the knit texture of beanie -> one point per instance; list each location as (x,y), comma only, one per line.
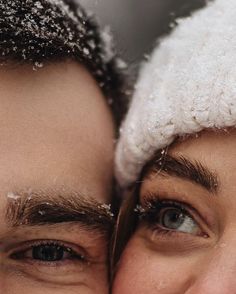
(189,84)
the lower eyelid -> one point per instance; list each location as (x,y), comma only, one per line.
(177,244)
(167,232)
(55,274)
(54,264)
(63,268)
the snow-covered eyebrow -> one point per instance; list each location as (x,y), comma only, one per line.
(184,168)
(44,208)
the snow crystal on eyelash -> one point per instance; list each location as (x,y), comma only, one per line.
(139,209)
(13,196)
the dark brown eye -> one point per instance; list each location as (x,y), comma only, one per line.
(49,253)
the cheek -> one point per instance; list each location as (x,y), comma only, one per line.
(144,271)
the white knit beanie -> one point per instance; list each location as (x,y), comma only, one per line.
(189,84)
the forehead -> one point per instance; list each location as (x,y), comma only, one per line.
(205,143)
(55,130)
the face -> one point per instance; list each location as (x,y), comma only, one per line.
(185,240)
(55,178)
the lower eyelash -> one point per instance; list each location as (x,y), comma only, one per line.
(161,231)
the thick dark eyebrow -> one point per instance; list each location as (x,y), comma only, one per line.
(40,208)
(184,168)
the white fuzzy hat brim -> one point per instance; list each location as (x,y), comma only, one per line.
(189,84)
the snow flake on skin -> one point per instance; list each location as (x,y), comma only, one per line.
(13,196)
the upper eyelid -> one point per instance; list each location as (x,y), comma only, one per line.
(75,231)
(167,204)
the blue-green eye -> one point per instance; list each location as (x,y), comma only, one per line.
(176,219)
(169,216)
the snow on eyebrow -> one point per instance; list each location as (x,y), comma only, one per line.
(55,206)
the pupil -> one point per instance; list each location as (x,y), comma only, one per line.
(173,219)
(48,253)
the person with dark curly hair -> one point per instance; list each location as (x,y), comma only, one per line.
(61,102)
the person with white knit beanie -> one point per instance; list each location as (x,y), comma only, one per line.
(176,160)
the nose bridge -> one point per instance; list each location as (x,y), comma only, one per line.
(218,274)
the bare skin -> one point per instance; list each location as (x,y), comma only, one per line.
(188,244)
(57,137)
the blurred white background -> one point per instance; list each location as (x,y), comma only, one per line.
(136,24)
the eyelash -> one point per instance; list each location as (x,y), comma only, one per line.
(20,254)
